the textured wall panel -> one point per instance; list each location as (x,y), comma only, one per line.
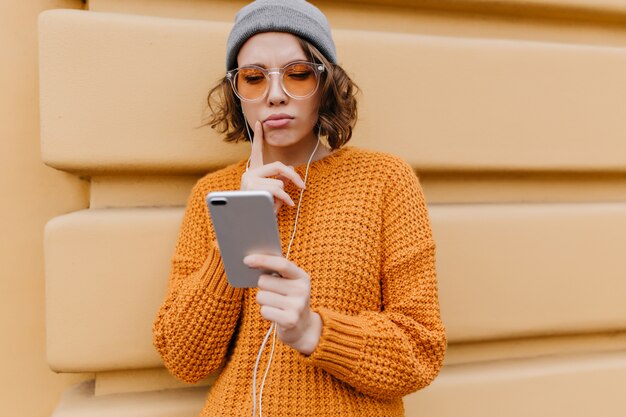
(106,275)
(508,270)
(80,401)
(504,271)
(573,386)
(122,92)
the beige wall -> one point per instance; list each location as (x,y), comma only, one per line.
(31,194)
(599,22)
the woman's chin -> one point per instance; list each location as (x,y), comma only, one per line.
(279,139)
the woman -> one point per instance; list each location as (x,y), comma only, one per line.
(355,303)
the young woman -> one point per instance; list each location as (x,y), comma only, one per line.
(355,304)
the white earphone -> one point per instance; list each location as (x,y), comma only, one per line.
(272,328)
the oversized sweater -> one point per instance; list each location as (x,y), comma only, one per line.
(364,237)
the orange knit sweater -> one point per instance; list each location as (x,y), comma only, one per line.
(365,239)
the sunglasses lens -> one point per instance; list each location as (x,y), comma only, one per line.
(250,83)
(300,80)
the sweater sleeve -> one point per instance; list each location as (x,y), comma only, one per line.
(400,349)
(196,322)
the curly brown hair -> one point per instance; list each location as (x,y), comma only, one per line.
(337,112)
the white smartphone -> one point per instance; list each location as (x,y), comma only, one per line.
(244,224)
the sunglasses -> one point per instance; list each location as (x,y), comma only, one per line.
(298,80)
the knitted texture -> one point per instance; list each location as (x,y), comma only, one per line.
(365,239)
(297,17)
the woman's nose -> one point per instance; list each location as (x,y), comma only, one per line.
(276,94)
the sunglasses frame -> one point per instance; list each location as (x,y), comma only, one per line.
(317,68)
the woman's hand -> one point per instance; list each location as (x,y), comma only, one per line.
(285,300)
(258,176)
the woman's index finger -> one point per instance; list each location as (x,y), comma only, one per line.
(284,267)
(256,155)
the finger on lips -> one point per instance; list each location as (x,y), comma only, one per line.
(256,157)
(275,168)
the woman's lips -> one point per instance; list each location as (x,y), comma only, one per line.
(278,122)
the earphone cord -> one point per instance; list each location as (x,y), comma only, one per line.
(272,329)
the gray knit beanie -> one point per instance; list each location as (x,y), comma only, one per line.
(297,17)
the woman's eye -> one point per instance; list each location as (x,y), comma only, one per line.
(253,79)
(299,75)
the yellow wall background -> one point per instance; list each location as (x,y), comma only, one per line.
(585,183)
(32,194)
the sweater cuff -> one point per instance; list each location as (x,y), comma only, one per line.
(341,344)
(213,278)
